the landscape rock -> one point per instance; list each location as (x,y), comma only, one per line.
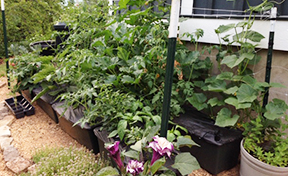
(5,131)
(4,109)
(2,84)
(7,120)
(2,104)
(32,169)
(4,115)
(18,165)
(5,142)
(10,153)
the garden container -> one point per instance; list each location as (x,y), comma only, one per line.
(47,47)
(102,136)
(27,94)
(45,103)
(20,106)
(219,147)
(83,134)
(251,166)
(61,27)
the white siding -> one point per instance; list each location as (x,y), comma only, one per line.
(263,27)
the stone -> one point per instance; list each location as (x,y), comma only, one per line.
(18,165)
(10,153)
(7,120)
(4,115)
(32,169)
(4,109)
(5,131)
(2,84)
(5,142)
(2,104)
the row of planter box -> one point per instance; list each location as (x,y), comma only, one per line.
(219,147)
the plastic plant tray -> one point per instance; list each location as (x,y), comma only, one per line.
(20,106)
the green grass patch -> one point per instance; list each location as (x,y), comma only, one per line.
(66,161)
(2,69)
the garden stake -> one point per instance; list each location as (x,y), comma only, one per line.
(5,41)
(173,28)
(269,55)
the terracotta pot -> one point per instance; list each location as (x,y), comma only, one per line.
(251,166)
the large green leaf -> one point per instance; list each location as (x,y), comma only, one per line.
(231,90)
(127,79)
(224,28)
(197,100)
(246,93)
(185,163)
(225,76)
(234,102)
(272,84)
(122,125)
(131,154)
(123,4)
(224,118)
(215,102)
(157,164)
(254,36)
(137,146)
(123,54)
(107,171)
(217,86)
(275,109)
(249,56)
(185,141)
(232,61)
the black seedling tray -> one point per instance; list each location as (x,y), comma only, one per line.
(21,107)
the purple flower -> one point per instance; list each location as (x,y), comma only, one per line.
(161,147)
(134,167)
(115,153)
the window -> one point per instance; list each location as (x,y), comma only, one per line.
(226,8)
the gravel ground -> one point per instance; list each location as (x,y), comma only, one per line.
(38,131)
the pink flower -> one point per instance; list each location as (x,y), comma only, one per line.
(134,167)
(161,147)
(115,153)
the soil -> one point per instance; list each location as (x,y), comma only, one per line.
(39,131)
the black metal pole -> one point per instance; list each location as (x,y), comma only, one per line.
(168,86)
(269,54)
(5,42)
(268,67)
(173,28)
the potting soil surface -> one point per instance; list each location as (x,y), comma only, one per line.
(39,131)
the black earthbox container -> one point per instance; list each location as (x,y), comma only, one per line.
(20,106)
(83,134)
(45,103)
(219,147)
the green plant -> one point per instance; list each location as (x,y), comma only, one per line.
(265,137)
(139,156)
(28,21)
(128,55)
(66,161)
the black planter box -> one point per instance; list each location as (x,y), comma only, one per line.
(27,94)
(84,135)
(219,147)
(20,107)
(45,103)
(47,47)
(102,137)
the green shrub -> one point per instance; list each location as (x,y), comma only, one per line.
(29,21)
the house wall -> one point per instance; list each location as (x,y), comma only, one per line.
(262,26)
(279,70)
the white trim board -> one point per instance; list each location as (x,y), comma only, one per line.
(263,27)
